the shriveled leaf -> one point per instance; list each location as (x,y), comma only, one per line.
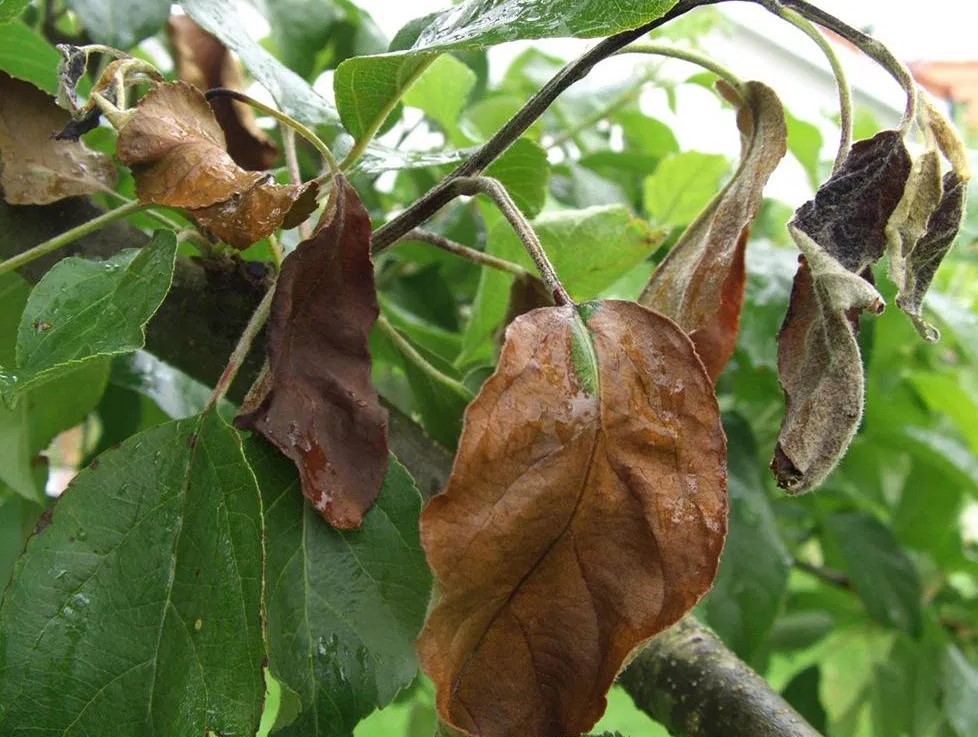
(585,513)
(81,310)
(36,168)
(26,54)
(841,234)
(293,94)
(203,61)
(317,405)
(177,153)
(700,284)
(908,223)
(343,607)
(138,606)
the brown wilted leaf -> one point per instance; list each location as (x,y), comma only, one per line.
(909,220)
(317,405)
(585,513)
(37,169)
(203,61)
(700,284)
(177,154)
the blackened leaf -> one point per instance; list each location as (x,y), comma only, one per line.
(700,284)
(318,405)
(908,223)
(36,168)
(203,61)
(585,513)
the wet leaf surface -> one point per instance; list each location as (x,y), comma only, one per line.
(37,169)
(318,406)
(585,512)
(121,23)
(700,284)
(176,150)
(138,605)
(203,61)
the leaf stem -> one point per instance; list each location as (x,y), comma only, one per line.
(251,331)
(282,118)
(470,254)
(493,189)
(686,55)
(443,192)
(845,91)
(410,353)
(368,135)
(63,239)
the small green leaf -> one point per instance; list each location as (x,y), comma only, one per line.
(82,309)
(525,172)
(25,54)
(882,574)
(961,692)
(805,143)
(121,23)
(293,94)
(682,185)
(343,607)
(10,9)
(368,88)
(139,604)
(442,91)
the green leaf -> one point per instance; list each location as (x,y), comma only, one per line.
(753,576)
(121,23)
(293,94)
(25,54)
(525,173)
(805,143)
(368,88)
(802,694)
(10,9)
(481,23)
(590,249)
(139,605)
(906,688)
(342,607)
(682,185)
(646,135)
(82,309)
(881,572)
(17,518)
(946,397)
(442,91)
(961,692)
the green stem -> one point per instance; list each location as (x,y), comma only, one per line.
(240,353)
(845,92)
(282,118)
(470,254)
(686,55)
(524,231)
(368,135)
(420,362)
(63,239)
(599,115)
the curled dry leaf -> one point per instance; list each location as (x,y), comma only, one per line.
(840,233)
(37,169)
(908,223)
(317,404)
(585,513)
(700,284)
(176,150)
(203,61)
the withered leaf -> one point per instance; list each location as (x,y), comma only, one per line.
(203,61)
(317,405)
(176,150)
(37,169)
(585,513)
(700,284)
(908,223)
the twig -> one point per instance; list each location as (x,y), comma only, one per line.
(470,254)
(524,231)
(827,575)
(686,55)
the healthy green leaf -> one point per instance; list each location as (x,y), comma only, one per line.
(590,249)
(138,606)
(368,88)
(81,310)
(294,95)
(882,574)
(10,9)
(682,185)
(342,607)
(442,91)
(805,143)
(961,692)
(121,23)
(525,172)
(25,54)
(17,518)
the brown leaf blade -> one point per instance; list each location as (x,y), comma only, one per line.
(585,513)
(178,156)
(37,169)
(700,284)
(203,61)
(317,404)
